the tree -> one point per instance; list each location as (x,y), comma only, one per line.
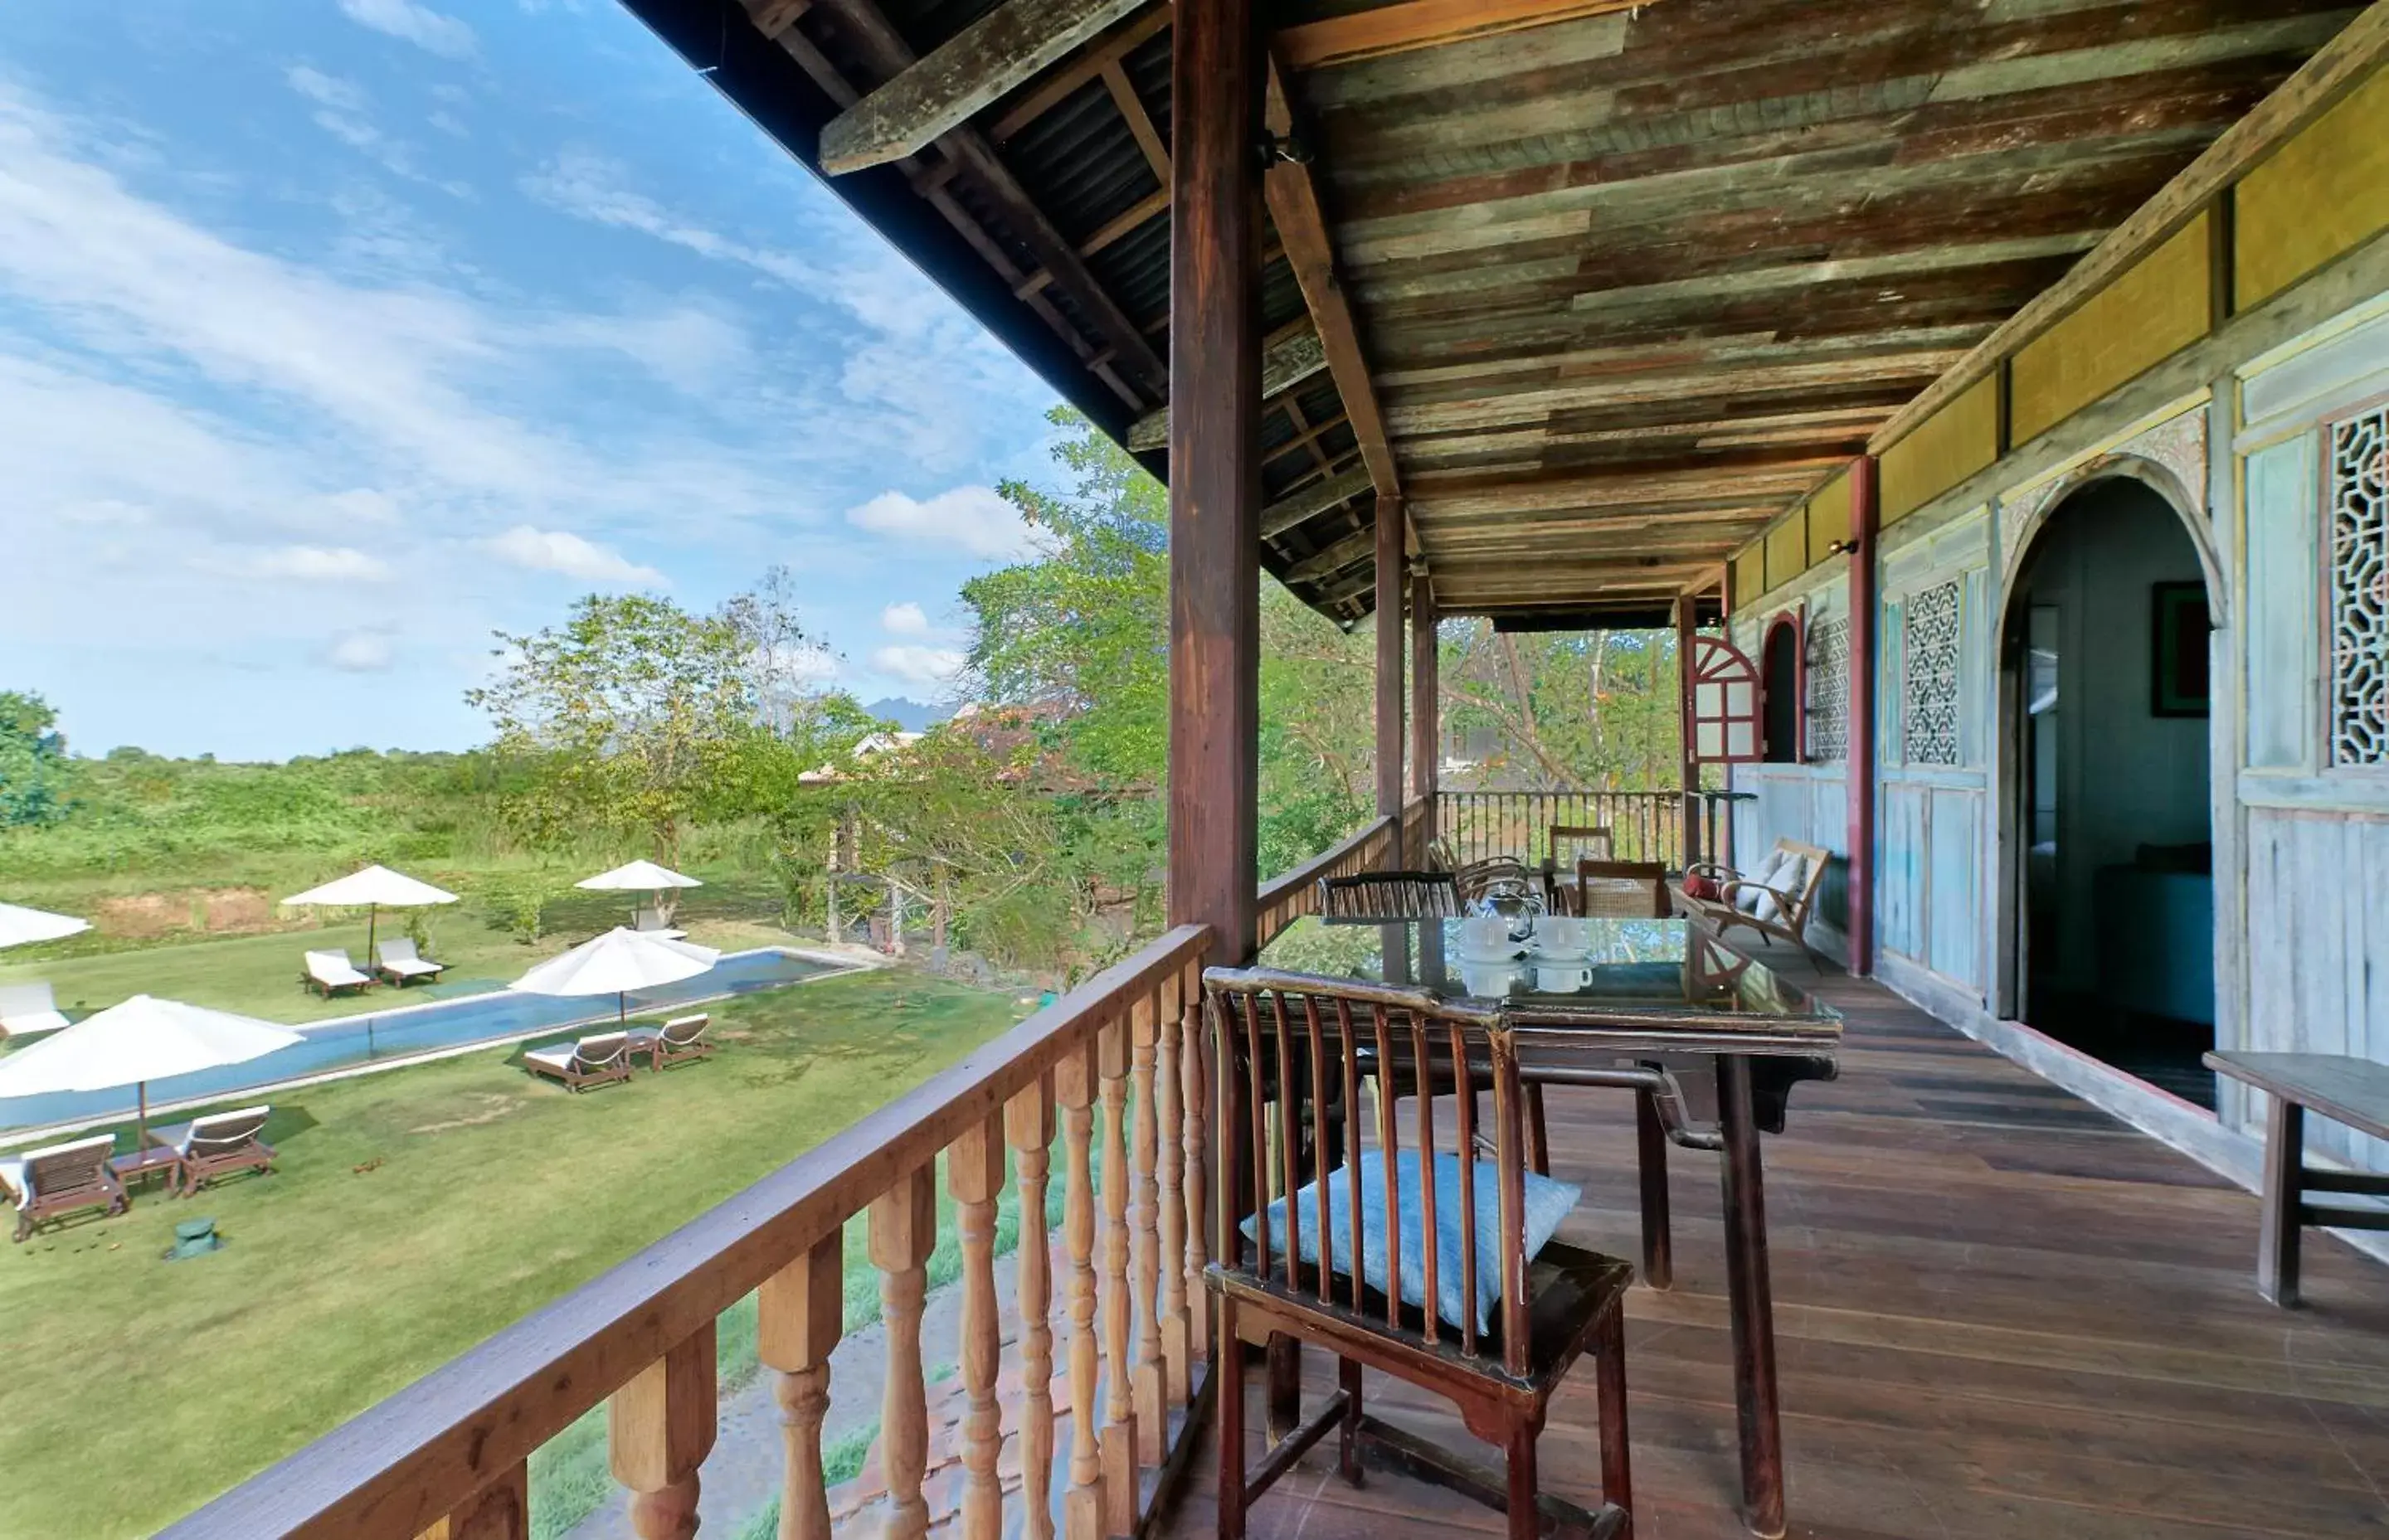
(33,768)
(636,715)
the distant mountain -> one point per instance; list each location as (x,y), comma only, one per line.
(910,715)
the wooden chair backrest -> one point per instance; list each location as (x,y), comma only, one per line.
(226,1132)
(1439,855)
(1473,878)
(1621,890)
(68,1167)
(681,1031)
(1795,916)
(399,950)
(329,960)
(1301,1041)
(602,1050)
(1388,896)
(26,999)
(1594,834)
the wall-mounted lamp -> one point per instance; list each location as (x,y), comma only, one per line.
(1841,548)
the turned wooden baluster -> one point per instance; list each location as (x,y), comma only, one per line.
(1074,1088)
(499,1512)
(799,1317)
(975,1175)
(1194,1141)
(1029,1127)
(1152,1419)
(659,1429)
(1170,1106)
(1119,1394)
(903,1226)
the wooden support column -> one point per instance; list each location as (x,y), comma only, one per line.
(799,1317)
(1860,765)
(1214,472)
(1426,710)
(1389,672)
(659,1429)
(1687,627)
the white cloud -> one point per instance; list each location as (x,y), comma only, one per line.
(904,619)
(972,520)
(561,551)
(587,187)
(929,668)
(318,563)
(688,349)
(366,652)
(421,25)
(325,90)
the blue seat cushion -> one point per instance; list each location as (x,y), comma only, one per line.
(1547,1203)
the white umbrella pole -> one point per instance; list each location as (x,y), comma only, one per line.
(373,913)
(140,1115)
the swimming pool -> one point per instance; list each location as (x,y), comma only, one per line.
(474,1011)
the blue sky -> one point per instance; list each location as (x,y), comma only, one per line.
(335,335)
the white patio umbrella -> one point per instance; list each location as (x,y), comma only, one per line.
(617,962)
(20,926)
(639,877)
(143,1040)
(377,887)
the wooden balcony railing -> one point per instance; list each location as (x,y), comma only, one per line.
(447,1456)
(1286,898)
(1113,1068)
(1644,827)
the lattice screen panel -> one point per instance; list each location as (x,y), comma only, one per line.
(2360,590)
(1829,690)
(1934,650)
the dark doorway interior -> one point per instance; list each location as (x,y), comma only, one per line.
(1779,668)
(2118,912)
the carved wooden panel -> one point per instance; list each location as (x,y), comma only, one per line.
(1829,689)
(1935,652)
(2357,488)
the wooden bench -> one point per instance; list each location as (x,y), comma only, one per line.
(2353,1091)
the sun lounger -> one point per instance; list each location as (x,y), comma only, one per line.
(591,1061)
(679,1038)
(400,962)
(62,1178)
(328,972)
(26,1009)
(218,1145)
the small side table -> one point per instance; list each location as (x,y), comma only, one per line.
(155,1161)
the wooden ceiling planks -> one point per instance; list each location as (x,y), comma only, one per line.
(1617,286)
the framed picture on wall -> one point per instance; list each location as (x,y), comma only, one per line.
(2177,682)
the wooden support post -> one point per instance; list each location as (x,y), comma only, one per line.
(1028,1128)
(1119,1327)
(1687,628)
(1861,762)
(1074,1088)
(1426,710)
(1390,587)
(975,1177)
(1214,472)
(659,1429)
(903,1228)
(499,1512)
(799,1317)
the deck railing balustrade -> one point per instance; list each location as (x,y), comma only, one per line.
(1644,827)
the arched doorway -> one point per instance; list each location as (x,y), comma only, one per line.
(1780,675)
(2109,818)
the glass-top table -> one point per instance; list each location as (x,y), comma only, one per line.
(1657,1006)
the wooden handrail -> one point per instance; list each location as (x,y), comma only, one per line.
(1294,894)
(403,1467)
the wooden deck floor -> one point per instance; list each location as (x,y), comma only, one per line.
(2001,1313)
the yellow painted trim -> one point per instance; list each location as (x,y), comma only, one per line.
(1787,550)
(1829,517)
(2321,195)
(2152,311)
(1946,448)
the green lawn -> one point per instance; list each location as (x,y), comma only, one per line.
(258,975)
(415,1213)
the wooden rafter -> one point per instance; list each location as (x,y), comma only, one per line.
(1284,364)
(939,93)
(1305,436)
(887,52)
(1424,24)
(1302,225)
(1051,91)
(1140,122)
(1311,500)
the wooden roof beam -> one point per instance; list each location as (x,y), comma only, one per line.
(1284,364)
(887,52)
(1312,500)
(932,97)
(1301,224)
(1424,24)
(1057,86)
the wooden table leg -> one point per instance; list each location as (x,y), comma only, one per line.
(2277,1230)
(1651,1148)
(1752,1303)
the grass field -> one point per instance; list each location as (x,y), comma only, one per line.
(414,1212)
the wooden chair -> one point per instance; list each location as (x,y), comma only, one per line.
(591,1061)
(1493,1322)
(63,1178)
(1618,890)
(397,960)
(329,971)
(1775,900)
(1388,896)
(1477,875)
(679,1040)
(1439,855)
(218,1145)
(1564,834)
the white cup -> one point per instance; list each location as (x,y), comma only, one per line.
(1486,936)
